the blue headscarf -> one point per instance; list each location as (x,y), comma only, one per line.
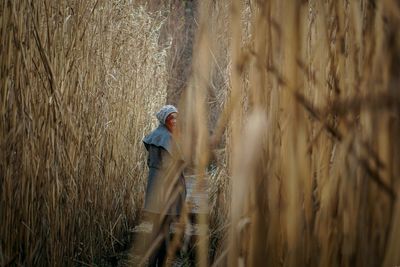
(163,113)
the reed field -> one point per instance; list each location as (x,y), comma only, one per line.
(294,104)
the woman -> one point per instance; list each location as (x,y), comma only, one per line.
(165,191)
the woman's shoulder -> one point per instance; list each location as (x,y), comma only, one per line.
(159,137)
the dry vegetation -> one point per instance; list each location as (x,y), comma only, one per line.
(306,139)
(79,81)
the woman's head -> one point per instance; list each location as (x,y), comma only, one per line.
(167,115)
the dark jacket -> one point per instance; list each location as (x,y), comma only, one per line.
(161,155)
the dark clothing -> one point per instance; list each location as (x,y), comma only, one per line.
(160,253)
(162,150)
(157,259)
(163,153)
(160,137)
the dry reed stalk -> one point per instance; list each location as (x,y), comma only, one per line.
(234,253)
(196,101)
(244,204)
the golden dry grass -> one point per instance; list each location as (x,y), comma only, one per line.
(305,142)
(79,81)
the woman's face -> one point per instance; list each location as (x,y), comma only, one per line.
(171,121)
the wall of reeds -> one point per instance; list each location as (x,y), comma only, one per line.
(80,81)
(296,103)
(308,128)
